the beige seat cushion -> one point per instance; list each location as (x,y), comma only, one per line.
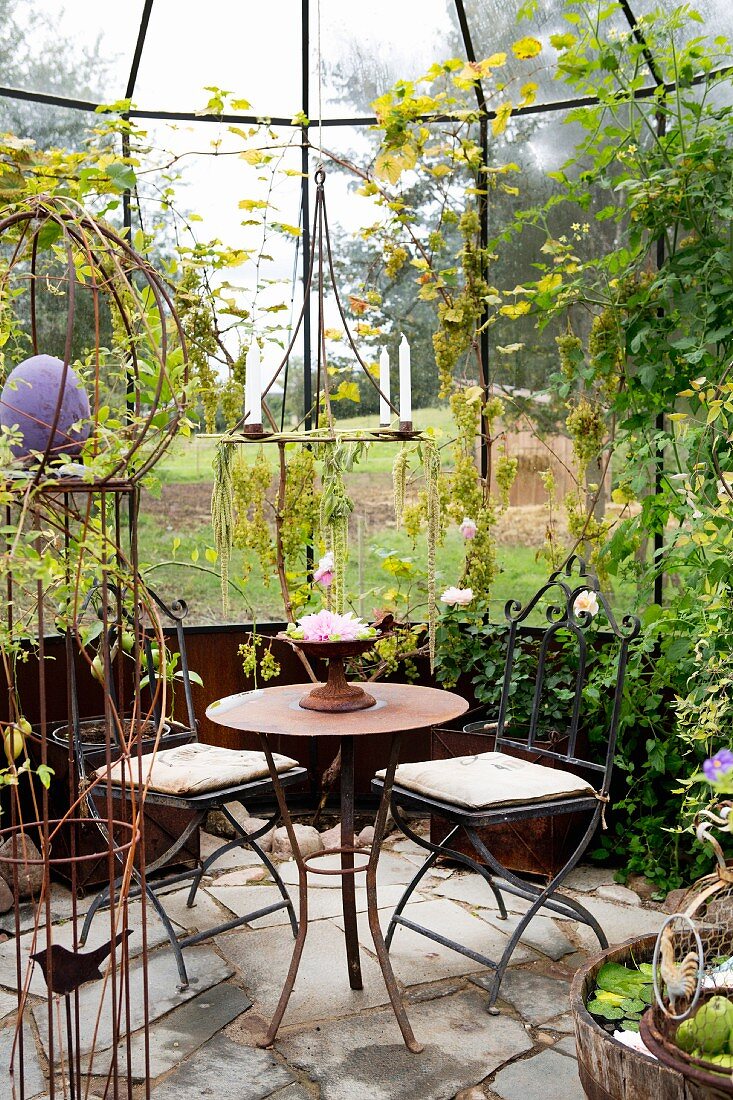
(489,779)
(195,769)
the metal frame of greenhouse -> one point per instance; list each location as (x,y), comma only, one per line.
(485,117)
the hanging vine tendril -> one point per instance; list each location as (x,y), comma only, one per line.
(399,483)
(336,507)
(222,515)
(431,467)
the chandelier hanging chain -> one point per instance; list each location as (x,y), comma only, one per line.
(321,247)
(320,83)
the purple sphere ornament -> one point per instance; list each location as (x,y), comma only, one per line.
(34,395)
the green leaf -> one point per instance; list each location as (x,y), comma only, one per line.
(606,1011)
(121,175)
(44,773)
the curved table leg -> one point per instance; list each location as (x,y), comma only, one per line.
(371,885)
(282,1004)
(348,886)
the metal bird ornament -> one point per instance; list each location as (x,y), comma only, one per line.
(70,969)
(64,971)
(679,978)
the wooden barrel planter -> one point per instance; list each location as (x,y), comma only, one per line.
(608,1069)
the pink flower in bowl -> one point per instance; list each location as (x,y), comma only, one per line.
(325,571)
(329,626)
(468,528)
(457,597)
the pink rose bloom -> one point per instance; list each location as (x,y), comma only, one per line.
(457,597)
(324,573)
(326,626)
(468,528)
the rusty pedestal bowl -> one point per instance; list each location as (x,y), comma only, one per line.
(337,695)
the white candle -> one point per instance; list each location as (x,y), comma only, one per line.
(405,383)
(253,386)
(385,412)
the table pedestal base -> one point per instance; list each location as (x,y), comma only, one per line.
(347,872)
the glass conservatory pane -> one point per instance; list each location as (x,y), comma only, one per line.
(49,127)
(251,50)
(81,48)
(366,47)
(494,28)
(716,16)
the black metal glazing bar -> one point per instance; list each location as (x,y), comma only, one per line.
(508,671)
(616,712)
(639,36)
(91,107)
(483,213)
(661,125)
(579,685)
(305,210)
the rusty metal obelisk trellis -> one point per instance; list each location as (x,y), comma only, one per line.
(78,430)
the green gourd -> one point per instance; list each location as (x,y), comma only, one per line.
(687,1036)
(713,1024)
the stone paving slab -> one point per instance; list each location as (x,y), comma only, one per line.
(292,1092)
(546,1075)
(567,1047)
(417,959)
(63,934)
(262,957)
(173,1038)
(230,861)
(364,1058)
(541,933)
(242,876)
(224,1069)
(8,1004)
(536,997)
(29,1066)
(619,922)
(322,904)
(204,913)
(30,911)
(205,969)
(585,879)
(391,869)
(186,1029)
(564,1024)
(471,889)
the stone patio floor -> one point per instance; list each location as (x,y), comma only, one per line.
(337,1044)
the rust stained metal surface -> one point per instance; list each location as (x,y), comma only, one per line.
(277,710)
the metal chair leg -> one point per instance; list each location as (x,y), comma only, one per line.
(541,898)
(250,841)
(438,850)
(279,883)
(409,890)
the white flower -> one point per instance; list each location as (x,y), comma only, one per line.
(324,573)
(586,601)
(468,528)
(457,597)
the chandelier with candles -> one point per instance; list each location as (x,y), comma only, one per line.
(258,423)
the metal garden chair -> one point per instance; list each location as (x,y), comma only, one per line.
(180,765)
(497,788)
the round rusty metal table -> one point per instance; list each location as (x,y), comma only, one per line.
(277,711)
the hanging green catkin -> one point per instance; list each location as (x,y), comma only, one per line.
(336,507)
(222,514)
(431,466)
(399,483)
